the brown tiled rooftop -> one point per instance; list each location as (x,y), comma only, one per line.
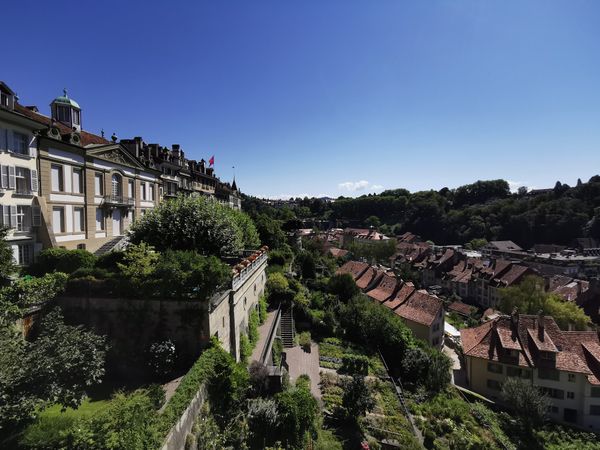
(384,289)
(420,307)
(354,268)
(401,296)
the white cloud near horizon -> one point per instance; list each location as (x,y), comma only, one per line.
(362,185)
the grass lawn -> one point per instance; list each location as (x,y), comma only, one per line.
(52,421)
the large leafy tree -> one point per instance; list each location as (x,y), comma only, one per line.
(357,399)
(529,297)
(56,367)
(526,400)
(195,223)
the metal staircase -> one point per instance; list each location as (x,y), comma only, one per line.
(118,243)
(287,328)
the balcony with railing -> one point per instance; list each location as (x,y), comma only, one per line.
(118,200)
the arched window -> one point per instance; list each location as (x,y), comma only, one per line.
(117,189)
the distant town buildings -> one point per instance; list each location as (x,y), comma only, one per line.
(62,186)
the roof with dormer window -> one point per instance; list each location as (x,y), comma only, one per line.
(65,100)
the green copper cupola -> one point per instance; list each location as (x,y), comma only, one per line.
(66,111)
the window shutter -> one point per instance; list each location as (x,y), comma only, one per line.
(34,181)
(3,180)
(1,215)
(36,216)
(32,147)
(11,177)
(2,138)
(6,216)
(13,216)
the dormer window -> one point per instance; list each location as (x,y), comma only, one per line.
(63,114)
(66,111)
(7,97)
(3,99)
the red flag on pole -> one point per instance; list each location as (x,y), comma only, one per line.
(211,161)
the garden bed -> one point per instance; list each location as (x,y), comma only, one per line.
(332,352)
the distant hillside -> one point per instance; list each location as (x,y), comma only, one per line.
(484,209)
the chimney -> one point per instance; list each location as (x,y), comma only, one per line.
(514,317)
(540,321)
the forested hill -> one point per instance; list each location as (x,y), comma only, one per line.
(484,209)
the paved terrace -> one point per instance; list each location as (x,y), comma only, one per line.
(263,335)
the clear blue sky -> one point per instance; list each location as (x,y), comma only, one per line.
(325,97)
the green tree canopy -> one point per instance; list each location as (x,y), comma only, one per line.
(195,223)
(529,297)
(57,367)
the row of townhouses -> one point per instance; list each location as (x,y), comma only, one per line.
(62,186)
(421,311)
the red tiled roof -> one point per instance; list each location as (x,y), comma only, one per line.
(401,295)
(384,289)
(354,268)
(420,307)
(461,308)
(576,351)
(86,138)
(368,277)
(513,275)
(338,252)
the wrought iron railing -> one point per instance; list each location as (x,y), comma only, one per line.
(119,200)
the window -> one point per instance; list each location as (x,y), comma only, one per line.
(4,99)
(143,188)
(594,410)
(80,246)
(494,384)
(518,372)
(76,117)
(58,219)
(595,392)
(549,356)
(23,218)
(494,368)
(436,327)
(223,319)
(131,184)
(57,178)
(548,374)
(571,395)
(116,185)
(23,181)
(24,254)
(20,143)
(99,219)
(78,219)
(151,193)
(572,377)
(98,184)
(77,181)
(552,409)
(553,393)
(63,113)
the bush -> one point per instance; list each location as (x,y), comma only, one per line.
(262,308)
(161,358)
(110,260)
(245,348)
(129,423)
(253,321)
(62,260)
(355,364)
(304,340)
